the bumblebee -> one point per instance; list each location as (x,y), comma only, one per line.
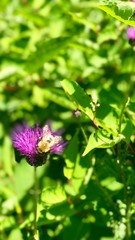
(47,141)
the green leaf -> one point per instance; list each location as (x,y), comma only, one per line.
(7,153)
(120,10)
(69,207)
(78,95)
(9,72)
(70,156)
(23,177)
(7,222)
(46,51)
(76,169)
(131,112)
(53,195)
(111,184)
(109,116)
(81,174)
(82,100)
(128,129)
(15,234)
(101,139)
(56,213)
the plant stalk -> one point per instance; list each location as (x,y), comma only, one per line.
(35,202)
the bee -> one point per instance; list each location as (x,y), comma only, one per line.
(47,141)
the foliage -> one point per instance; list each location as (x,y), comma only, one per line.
(58,56)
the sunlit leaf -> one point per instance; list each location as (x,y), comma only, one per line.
(112,184)
(120,10)
(78,95)
(71,153)
(101,139)
(53,195)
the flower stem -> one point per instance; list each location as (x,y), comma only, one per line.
(35,202)
(84,133)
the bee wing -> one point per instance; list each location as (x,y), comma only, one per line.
(57,139)
(46,129)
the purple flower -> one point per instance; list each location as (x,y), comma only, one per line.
(36,143)
(131,33)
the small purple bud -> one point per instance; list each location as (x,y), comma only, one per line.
(76,113)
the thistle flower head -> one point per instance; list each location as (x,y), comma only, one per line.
(36,143)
